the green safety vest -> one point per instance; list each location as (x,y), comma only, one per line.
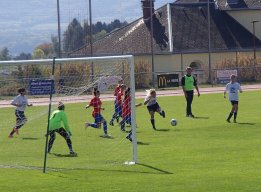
(189,83)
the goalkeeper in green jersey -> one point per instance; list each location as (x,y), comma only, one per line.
(58,118)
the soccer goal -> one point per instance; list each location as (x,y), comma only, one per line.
(72,82)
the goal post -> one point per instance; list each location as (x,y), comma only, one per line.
(74,79)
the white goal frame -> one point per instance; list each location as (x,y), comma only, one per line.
(129,58)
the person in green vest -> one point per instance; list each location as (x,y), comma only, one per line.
(57,120)
(188,83)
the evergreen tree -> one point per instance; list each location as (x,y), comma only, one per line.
(23,56)
(73,36)
(4,54)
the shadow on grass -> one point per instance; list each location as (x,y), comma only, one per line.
(201,117)
(142,143)
(30,138)
(155,168)
(245,123)
(52,170)
(109,137)
(163,130)
(63,155)
(150,171)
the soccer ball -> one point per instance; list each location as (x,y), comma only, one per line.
(173,122)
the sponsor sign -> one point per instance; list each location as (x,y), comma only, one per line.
(168,80)
(41,87)
(223,76)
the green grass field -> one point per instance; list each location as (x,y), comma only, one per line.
(201,154)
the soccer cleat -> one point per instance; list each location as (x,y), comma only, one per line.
(117,119)
(235,121)
(10,136)
(111,123)
(73,154)
(228,120)
(154,128)
(87,125)
(106,136)
(129,138)
(163,114)
(192,116)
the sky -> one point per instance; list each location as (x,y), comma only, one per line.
(28,23)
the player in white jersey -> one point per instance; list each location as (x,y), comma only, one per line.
(20,102)
(153,106)
(233,88)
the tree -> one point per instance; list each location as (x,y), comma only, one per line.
(55,44)
(115,25)
(73,36)
(4,54)
(38,54)
(23,56)
(47,48)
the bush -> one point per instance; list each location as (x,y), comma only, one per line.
(248,70)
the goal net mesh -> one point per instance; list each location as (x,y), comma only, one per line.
(74,81)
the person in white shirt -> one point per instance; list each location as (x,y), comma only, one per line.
(20,102)
(233,88)
(153,106)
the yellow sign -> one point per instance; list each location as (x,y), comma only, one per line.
(162,82)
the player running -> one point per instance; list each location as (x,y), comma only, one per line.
(20,102)
(96,113)
(119,90)
(58,118)
(153,106)
(233,88)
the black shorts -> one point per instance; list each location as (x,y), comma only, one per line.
(234,102)
(154,107)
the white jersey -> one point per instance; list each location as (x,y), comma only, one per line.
(20,100)
(233,89)
(151,100)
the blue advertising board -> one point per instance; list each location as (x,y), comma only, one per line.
(41,86)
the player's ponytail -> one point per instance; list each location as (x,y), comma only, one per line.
(95,91)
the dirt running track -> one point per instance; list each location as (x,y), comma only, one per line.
(78,99)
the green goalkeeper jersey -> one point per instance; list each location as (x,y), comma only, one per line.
(57,118)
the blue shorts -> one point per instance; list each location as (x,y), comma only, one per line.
(117,108)
(99,118)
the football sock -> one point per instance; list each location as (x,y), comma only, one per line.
(94,125)
(105,127)
(229,116)
(12,132)
(117,119)
(122,123)
(152,122)
(235,115)
(69,143)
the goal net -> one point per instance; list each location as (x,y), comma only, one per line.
(73,80)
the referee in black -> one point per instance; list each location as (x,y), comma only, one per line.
(188,83)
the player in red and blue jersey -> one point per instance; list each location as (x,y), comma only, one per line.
(126,112)
(119,90)
(96,113)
